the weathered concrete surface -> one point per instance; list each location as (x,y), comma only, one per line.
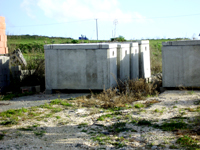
(4,72)
(80,66)
(134,60)
(123,61)
(144,59)
(180,63)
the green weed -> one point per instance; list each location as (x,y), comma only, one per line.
(60,102)
(191,92)
(139,105)
(173,126)
(82,125)
(58,117)
(187,141)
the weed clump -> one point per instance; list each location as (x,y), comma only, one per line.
(126,93)
(173,126)
(187,141)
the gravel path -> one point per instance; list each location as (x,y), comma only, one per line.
(34,100)
(82,129)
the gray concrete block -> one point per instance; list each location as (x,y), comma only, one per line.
(134,60)
(144,59)
(80,66)
(123,61)
(180,61)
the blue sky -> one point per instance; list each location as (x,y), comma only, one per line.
(136,19)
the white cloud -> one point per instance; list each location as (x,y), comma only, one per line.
(69,10)
(26,5)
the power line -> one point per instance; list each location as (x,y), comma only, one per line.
(161,17)
(51,23)
(117,18)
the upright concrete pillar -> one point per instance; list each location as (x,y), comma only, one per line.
(3,37)
(123,61)
(144,59)
(134,60)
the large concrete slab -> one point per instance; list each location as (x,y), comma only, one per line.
(180,61)
(123,61)
(134,60)
(144,59)
(80,66)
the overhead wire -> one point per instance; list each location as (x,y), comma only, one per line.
(117,18)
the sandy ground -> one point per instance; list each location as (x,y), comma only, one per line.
(34,100)
(66,133)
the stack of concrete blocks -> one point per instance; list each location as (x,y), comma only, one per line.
(144,60)
(3,37)
(4,60)
(180,63)
(80,66)
(134,60)
(123,62)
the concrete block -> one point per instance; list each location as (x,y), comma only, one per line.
(4,72)
(5,38)
(2,25)
(144,59)
(180,61)
(134,60)
(80,66)
(2,50)
(3,44)
(6,50)
(123,61)
(2,19)
(2,31)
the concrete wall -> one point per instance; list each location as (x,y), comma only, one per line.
(144,59)
(134,60)
(80,66)
(123,61)
(4,72)
(180,63)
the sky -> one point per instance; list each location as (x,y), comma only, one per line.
(132,19)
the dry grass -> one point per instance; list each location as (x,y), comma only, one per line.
(126,93)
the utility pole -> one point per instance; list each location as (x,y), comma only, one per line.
(97,28)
